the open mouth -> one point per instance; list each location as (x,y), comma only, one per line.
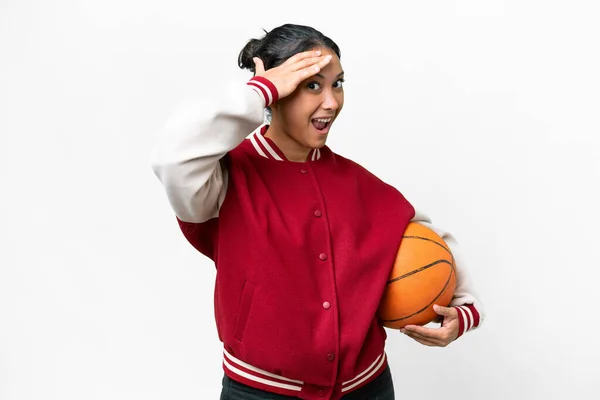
(322,124)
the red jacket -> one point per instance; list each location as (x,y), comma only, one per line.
(302,250)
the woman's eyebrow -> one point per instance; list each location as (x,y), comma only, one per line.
(338,75)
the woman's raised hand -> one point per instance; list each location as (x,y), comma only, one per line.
(287,76)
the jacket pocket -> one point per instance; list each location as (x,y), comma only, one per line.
(241,319)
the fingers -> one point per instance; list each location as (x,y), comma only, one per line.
(438,337)
(301,56)
(424,339)
(259,67)
(426,333)
(420,329)
(422,332)
(308,63)
(319,61)
(445,311)
(314,68)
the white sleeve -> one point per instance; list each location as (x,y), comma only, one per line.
(465,298)
(187,155)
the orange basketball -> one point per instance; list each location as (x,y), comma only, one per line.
(423,274)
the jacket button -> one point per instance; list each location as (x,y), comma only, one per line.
(318,213)
(330,357)
(326,305)
(321,393)
(323,256)
(304,170)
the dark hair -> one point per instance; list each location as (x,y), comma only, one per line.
(275,47)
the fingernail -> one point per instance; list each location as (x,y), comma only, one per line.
(318,52)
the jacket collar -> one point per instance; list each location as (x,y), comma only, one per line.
(265,147)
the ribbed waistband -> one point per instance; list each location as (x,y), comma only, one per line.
(264,380)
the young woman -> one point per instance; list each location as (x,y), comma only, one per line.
(303,239)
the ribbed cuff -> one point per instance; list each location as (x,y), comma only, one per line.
(468,318)
(265,88)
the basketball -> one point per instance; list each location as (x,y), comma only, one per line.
(423,274)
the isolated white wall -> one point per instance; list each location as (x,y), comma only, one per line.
(484,114)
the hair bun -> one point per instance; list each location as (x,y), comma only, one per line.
(245,58)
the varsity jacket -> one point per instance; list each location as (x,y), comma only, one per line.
(302,250)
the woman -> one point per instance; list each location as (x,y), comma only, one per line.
(303,239)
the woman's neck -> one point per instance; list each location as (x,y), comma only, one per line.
(292,150)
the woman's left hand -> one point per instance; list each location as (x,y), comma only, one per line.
(440,337)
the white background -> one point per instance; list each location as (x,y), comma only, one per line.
(483,113)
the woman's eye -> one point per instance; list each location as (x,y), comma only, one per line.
(314,86)
(339,83)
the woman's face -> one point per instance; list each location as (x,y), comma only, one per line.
(307,114)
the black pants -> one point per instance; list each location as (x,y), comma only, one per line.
(380,388)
